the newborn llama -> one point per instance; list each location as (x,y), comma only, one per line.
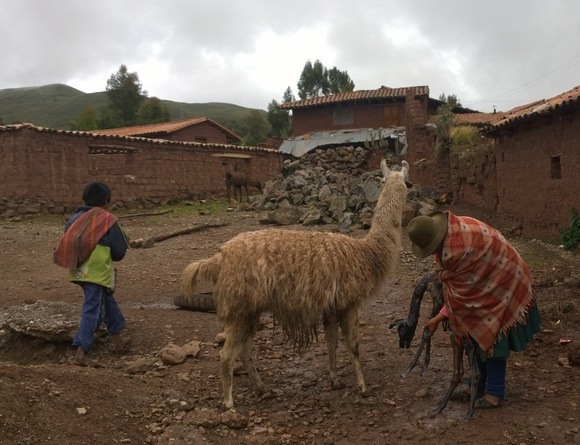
(301,277)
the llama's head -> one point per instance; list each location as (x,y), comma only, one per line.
(406,332)
(404,172)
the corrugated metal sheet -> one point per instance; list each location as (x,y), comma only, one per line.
(301,145)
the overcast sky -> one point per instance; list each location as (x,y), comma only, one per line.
(502,53)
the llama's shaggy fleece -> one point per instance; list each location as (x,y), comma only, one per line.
(301,277)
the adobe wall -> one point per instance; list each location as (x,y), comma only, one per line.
(473,175)
(528,190)
(46,170)
(420,143)
(512,176)
(202,132)
(314,119)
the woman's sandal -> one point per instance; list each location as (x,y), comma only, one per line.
(482,403)
(463,394)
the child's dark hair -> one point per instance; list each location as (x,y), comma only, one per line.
(96,194)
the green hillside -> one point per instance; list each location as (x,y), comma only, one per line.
(58,106)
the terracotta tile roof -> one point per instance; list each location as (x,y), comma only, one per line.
(354,96)
(479,119)
(113,137)
(538,108)
(162,128)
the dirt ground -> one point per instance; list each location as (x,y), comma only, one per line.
(46,400)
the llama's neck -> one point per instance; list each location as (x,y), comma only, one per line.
(388,213)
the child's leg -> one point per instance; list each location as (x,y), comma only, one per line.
(113,317)
(90,317)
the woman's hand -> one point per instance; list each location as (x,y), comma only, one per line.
(433,323)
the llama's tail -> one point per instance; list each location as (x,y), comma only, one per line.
(203,270)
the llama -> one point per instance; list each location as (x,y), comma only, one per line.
(406,330)
(406,327)
(240,181)
(302,277)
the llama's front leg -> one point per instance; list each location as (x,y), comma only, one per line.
(331,334)
(349,327)
(458,349)
(425,340)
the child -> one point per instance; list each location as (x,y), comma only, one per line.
(92,241)
(487,290)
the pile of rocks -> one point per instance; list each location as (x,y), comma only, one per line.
(329,186)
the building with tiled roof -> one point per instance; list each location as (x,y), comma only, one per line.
(379,95)
(47,167)
(537,161)
(380,108)
(478,119)
(199,129)
(566,101)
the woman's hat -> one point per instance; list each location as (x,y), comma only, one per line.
(427,232)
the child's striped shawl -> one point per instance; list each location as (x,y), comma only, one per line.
(76,245)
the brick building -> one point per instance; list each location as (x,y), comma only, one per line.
(383,107)
(44,170)
(199,129)
(524,169)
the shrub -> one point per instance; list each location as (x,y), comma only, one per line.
(571,235)
(464,134)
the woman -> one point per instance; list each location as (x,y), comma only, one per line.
(487,291)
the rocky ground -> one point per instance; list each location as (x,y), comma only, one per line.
(137,398)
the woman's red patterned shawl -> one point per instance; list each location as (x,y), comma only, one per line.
(486,284)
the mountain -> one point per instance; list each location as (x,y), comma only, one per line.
(58,106)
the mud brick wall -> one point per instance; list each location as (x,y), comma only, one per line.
(473,175)
(312,119)
(420,143)
(526,174)
(45,170)
(203,132)
(538,171)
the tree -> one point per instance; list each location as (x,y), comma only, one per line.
(87,120)
(152,111)
(108,118)
(279,120)
(313,80)
(255,128)
(339,81)
(288,96)
(316,80)
(450,100)
(444,122)
(125,95)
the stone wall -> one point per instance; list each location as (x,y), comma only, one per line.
(45,170)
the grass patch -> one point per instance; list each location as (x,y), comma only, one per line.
(464,134)
(183,209)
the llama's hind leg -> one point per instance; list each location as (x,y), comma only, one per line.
(231,350)
(349,327)
(458,349)
(250,367)
(331,333)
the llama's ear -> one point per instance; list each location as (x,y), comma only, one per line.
(405,169)
(385,169)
